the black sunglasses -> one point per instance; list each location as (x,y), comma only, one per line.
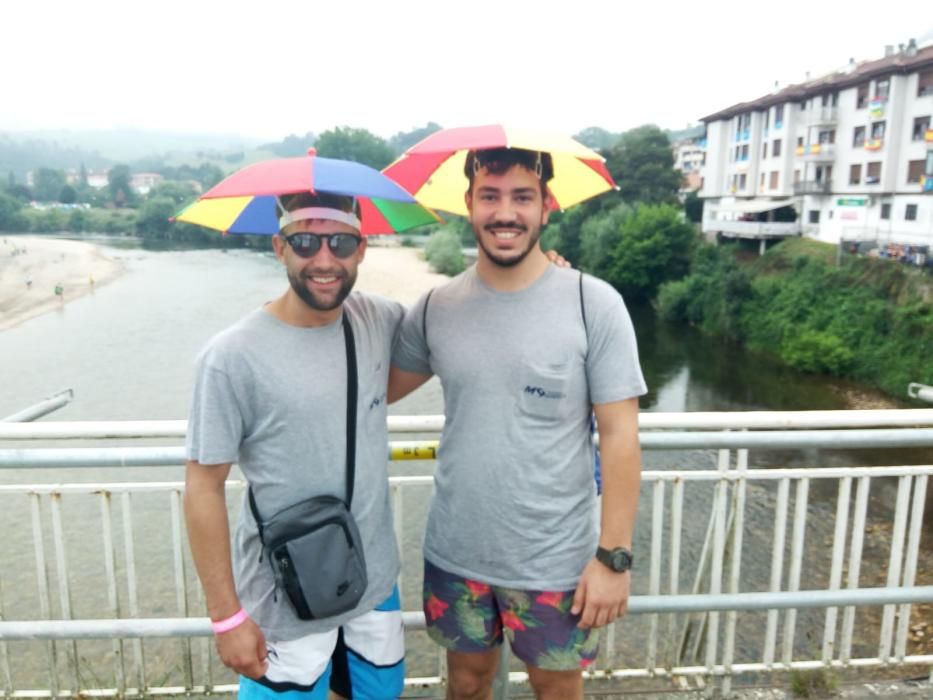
(307,245)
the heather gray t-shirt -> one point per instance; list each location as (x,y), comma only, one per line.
(273,398)
(514,500)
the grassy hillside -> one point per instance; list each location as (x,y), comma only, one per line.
(866,319)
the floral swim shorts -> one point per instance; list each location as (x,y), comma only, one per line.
(469,616)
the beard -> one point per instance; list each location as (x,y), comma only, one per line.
(533,233)
(315,301)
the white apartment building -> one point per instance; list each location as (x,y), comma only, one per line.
(846,157)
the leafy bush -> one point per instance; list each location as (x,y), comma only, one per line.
(443,252)
(815,351)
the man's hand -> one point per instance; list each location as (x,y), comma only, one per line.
(601,596)
(243,649)
(557,259)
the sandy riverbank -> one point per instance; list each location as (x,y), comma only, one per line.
(395,272)
(31,267)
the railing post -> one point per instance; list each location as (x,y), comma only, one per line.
(500,685)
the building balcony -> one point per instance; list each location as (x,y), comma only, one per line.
(817,151)
(819,187)
(823,115)
(752,229)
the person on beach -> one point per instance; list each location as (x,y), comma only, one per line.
(270,394)
(525,351)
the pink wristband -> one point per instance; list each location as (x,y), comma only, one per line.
(232,622)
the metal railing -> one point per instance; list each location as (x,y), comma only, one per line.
(690,614)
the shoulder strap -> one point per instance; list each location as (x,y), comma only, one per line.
(351,404)
(352,391)
(424,320)
(586,329)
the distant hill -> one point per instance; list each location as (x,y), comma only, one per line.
(22,151)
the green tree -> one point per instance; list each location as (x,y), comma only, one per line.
(636,249)
(693,207)
(11,217)
(68,195)
(404,140)
(78,221)
(642,164)
(153,220)
(355,144)
(48,184)
(444,253)
(118,185)
(597,138)
(179,192)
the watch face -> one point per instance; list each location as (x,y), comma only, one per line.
(621,560)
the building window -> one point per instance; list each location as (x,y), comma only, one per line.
(882,88)
(873,173)
(827,136)
(915,171)
(835,100)
(764,150)
(877,130)
(778,116)
(921,125)
(773,184)
(743,181)
(855,174)
(776,148)
(799,141)
(796,176)
(814,216)
(761,182)
(858,137)
(910,213)
(861,97)
(766,119)
(886,211)
(925,83)
(928,171)
(803,106)
(745,152)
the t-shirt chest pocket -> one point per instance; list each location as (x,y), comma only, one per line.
(543,390)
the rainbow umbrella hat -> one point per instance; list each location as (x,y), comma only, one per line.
(245,202)
(432,169)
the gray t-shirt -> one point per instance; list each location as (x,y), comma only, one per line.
(514,499)
(273,398)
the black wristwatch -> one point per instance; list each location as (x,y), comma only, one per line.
(618,559)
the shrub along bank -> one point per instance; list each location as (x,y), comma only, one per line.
(865,319)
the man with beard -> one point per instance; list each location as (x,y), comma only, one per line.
(525,351)
(271,394)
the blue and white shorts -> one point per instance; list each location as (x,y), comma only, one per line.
(364,659)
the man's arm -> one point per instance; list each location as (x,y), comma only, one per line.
(602,594)
(402,383)
(243,648)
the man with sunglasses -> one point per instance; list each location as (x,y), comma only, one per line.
(515,544)
(271,394)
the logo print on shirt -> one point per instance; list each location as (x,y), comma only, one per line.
(543,393)
(377,401)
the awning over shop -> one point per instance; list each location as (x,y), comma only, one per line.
(752,206)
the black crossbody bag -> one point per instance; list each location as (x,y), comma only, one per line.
(314,546)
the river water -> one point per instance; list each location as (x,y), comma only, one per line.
(127,351)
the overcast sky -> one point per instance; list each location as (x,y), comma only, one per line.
(268,69)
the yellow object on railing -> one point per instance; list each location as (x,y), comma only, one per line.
(421,449)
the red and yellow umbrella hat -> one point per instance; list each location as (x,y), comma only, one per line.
(432,169)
